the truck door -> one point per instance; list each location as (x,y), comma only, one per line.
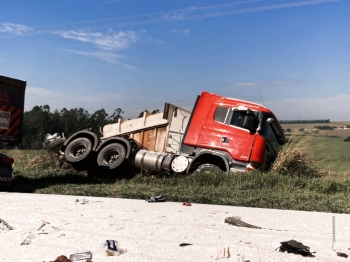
(238,136)
(212,129)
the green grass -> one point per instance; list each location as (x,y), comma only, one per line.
(251,189)
(333,155)
(329,193)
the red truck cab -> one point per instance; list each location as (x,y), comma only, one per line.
(238,135)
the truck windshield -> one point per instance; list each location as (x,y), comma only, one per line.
(272,134)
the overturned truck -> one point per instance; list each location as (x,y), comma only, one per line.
(221,134)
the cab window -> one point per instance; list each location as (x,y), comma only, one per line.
(246,119)
(237,118)
(220,114)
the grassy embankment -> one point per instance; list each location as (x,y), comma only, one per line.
(320,182)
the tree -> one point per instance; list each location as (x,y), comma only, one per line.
(116,115)
(40,121)
(155,111)
(98,120)
(36,125)
(74,120)
(55,123)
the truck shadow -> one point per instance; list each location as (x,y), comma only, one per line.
(26,184)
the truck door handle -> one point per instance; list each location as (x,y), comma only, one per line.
(224,139)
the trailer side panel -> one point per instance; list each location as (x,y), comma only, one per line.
(11,109)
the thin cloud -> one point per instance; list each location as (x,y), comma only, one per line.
(311,108)
(43,92)
(16,29)
(245,84)
(112,1)
(198,13)
(183,14)
(152,40)
(190,13)
(108,57)
(113,41)
(258,84)
(186,31)
(142,37)
(56,100)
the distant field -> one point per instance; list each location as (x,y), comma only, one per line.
(333,155)
(343,133)
(311,125)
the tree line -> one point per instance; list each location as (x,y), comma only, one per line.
(41,121)
(305,121)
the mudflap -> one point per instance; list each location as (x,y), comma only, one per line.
(5,176)
(5,181)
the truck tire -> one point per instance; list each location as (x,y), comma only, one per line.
(54,143)
(207,168)
(78,150)
(111,156)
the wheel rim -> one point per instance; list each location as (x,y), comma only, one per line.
(111,157)
(78,150)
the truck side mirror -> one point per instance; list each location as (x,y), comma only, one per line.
(270,120)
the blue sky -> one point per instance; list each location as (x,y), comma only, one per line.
(292,55)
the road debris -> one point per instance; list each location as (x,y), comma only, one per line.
(295,247)
(245,242)
(82,201)
(5,225)
(62,258)
(80,256)
(237,222)
(154,199)
(111,248)
(28,239)
(239,258)
(42,225)
(223,253)
(185,244)
(340,254)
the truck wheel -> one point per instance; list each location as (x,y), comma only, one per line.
(111,156)
(78,149)
(208,168)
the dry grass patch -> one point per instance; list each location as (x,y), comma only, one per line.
(37,161)
(296,159)
(40,159)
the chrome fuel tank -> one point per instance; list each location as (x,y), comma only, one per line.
(149,160)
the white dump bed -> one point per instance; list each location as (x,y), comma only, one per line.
(161,132)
